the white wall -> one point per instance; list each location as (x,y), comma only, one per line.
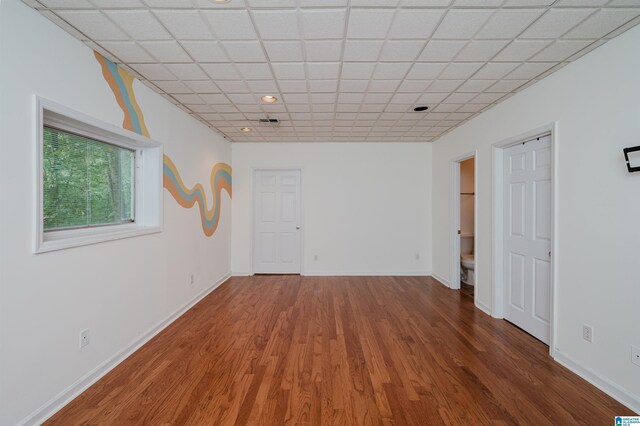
(596,104)
(366,206)
(118,289)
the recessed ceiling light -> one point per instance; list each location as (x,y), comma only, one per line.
(421,108)
(246,129)
(269,99)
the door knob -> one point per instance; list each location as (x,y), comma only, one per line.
(297,227)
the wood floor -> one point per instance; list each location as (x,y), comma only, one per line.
(279,350)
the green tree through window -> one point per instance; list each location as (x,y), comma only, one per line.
(86,182)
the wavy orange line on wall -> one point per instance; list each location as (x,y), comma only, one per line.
(220,180)
(121,84)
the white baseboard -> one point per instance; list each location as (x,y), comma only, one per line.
(623,396)
(67,395)
(484,308)
(241,274)
(441,280)
(367,273)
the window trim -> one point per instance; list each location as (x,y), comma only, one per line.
(148,179)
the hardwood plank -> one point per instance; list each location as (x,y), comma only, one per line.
(273,350)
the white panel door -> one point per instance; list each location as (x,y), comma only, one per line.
(276,247)
(527,236)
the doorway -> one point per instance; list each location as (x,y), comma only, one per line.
(463,231)
(523,233)
(277,223)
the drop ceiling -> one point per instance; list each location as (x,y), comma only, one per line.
(342,70)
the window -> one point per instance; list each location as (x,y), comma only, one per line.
(86,182)
(96,182)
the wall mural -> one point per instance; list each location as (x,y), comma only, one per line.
(121,83)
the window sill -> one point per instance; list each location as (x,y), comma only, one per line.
(77,238)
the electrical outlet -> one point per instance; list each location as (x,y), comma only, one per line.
(192,279)
(587,333)
(635,355)
(85,338)
(417,256)
(315,257)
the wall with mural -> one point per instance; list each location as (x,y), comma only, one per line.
(121,83)
(121,290)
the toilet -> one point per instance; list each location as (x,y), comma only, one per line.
(467,261)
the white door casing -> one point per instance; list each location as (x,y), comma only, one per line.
(527,236)
(277,225)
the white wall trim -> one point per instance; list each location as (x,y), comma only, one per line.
(367,273)
(623,396)
(63,398)
(441,280)
(484,308)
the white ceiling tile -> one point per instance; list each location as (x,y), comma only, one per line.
(255,71)
(476,86)
(267,86)
(173,87)
(244,51)
(521,50)
(242,98)
(431,98)
(295,98)
(325,50)
(357,70)
(582,52)
(462,23)
(362,50)
(383,86)
(94,24)
(556,22)
(272,3)
(353,85)
(401,50)
(215,99)
(460,70)
(322,3)
(323,70)
(63,24)
(277,24)
(560,50)
(377,98)
(504,86)
(446,108)
(128,52)
(472,107)
(415,23)
(581,3)
(205,51)
(293,86)
(441,51)
(166,51)
(369,23)
(350,98)
(202,86)
(485,98)
(601,23)
(323,23)
(508,23)
(428,71)
(189,99)
(495,70)
(481,50)
(139,24)
(184,24)
(187,71)
(529,70)
(289,71)
(374,3)
(221,72)
(405,98)
(528,3)
(66,4)
(323,98)
(231,24)
(444,86)
(153,71)
(323,85)
(389,71)
(413,86)
(284,51)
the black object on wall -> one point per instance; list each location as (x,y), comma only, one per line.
(626,158)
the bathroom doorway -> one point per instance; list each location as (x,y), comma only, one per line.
(463,230)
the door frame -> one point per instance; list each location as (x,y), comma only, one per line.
(454,279)
(254,174)
(497,221)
